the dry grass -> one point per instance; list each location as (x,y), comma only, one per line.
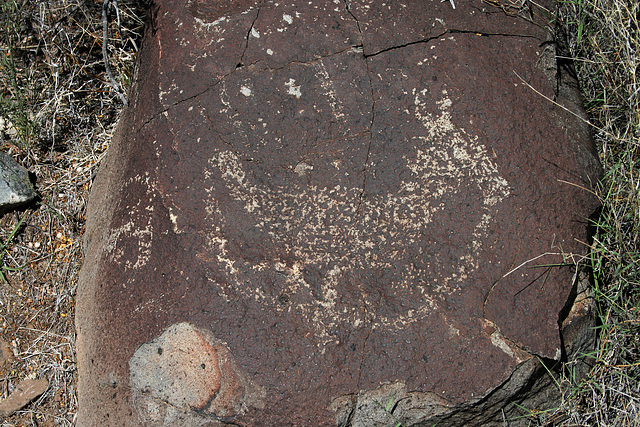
(604,38)
(59,111)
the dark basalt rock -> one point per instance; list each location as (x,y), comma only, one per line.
(330,206)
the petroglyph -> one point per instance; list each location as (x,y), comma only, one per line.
(139,227)
(335,234)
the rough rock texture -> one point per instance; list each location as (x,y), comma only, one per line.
(24,393)
(188,369)
(334,205)
(15,187)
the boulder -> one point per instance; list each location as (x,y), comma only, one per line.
(337,213)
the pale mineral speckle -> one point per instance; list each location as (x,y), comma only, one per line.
(174,220)
(498,341)
(453,331)
(329,90)
(302,168)
(292,89)
(215,23)
(245,91)
(287,18)
(269,52)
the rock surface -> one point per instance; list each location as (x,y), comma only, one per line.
(189,369)
(15,187)
(331,206)
(25,392)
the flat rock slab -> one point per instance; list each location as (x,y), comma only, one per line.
(311,209)
(25,392)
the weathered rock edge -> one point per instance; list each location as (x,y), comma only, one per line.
(533,384)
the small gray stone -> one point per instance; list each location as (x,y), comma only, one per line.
(15,187)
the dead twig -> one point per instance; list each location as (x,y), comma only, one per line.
(105,41)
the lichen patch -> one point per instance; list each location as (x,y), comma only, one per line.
(187,372)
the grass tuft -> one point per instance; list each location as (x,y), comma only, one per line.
(604,40)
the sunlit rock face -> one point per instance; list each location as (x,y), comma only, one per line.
(316,207)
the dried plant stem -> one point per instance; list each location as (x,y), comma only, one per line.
(105,41)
